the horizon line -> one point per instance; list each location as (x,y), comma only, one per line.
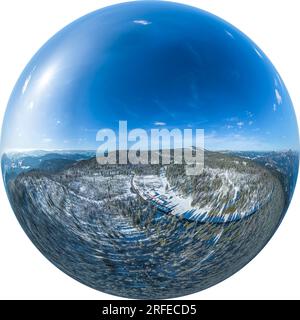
(16,150)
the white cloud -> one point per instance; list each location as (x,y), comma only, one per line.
(142,22)
(26,84)
(46,76)
(230,34)
(31,105)
(232,119)
(258,53)
(277,81)
(250,123)
(159,123)
(47,140)
(240,124)
(249,114)
(229,126)
(234,142)
(278,96)
(274,107)
(58,122)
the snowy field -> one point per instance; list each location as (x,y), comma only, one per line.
(231,196)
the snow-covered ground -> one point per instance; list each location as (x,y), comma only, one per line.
(237,195)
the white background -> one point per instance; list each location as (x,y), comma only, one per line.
(25,25)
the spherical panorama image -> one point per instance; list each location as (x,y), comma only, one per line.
(149,150)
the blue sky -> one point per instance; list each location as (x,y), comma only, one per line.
(156,65)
